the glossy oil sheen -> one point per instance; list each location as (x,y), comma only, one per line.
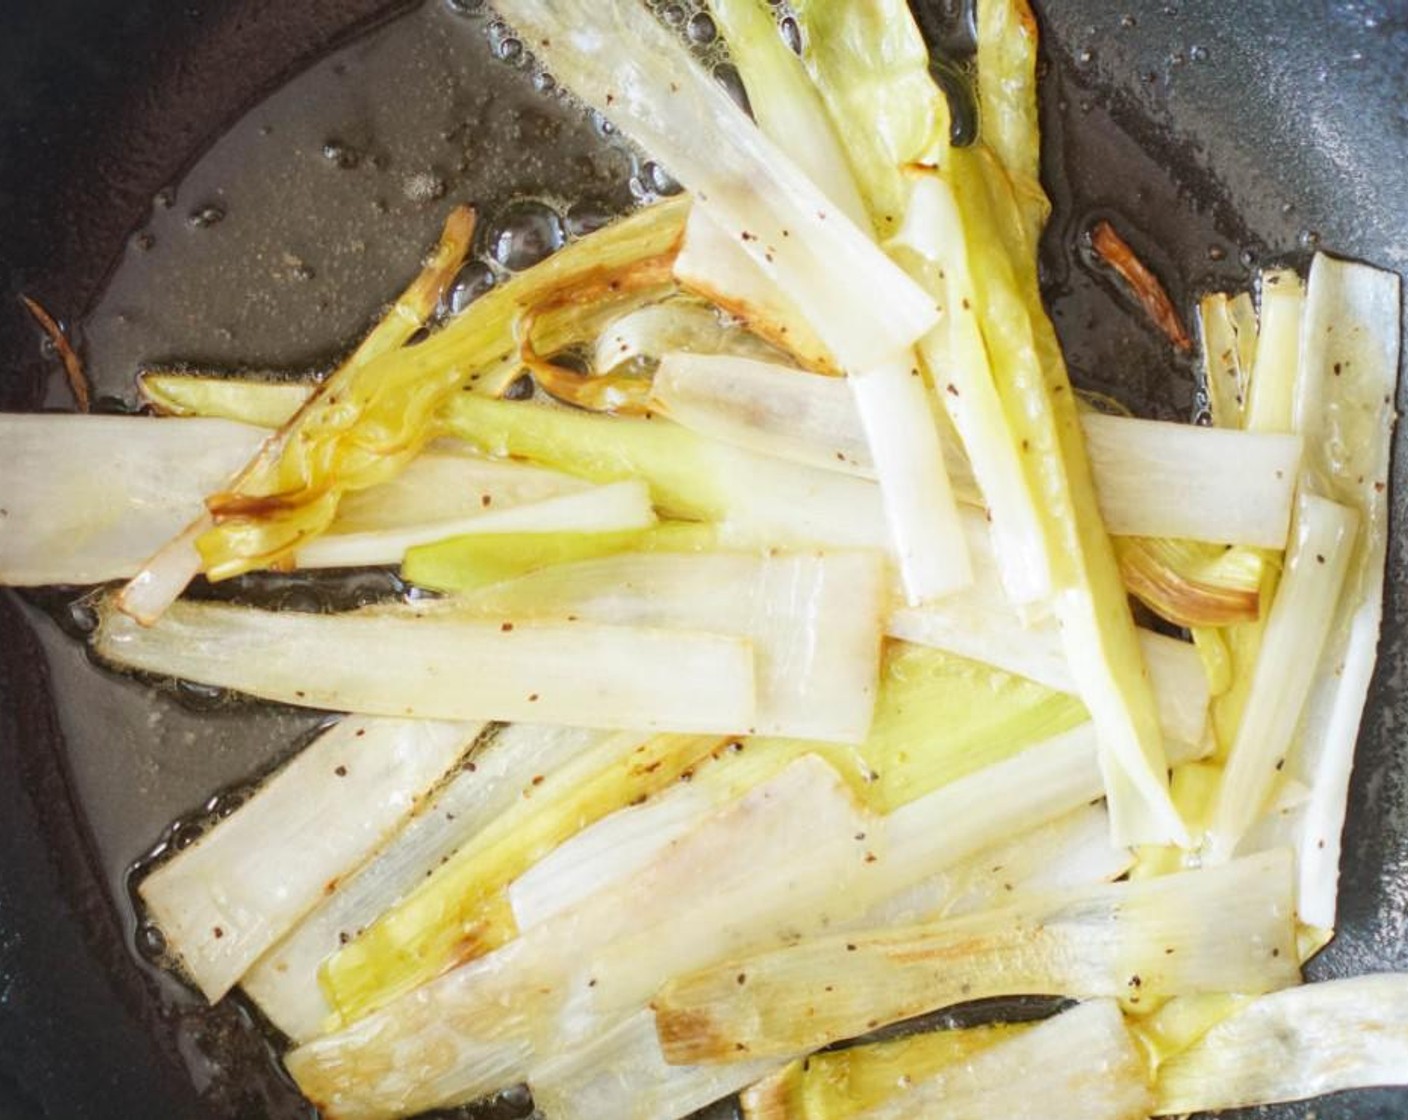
(241,187)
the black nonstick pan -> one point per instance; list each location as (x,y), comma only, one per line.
(241,182)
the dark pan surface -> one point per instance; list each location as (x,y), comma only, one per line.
(1218,136)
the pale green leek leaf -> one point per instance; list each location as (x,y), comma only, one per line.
(1270,400)
(785,103)
(461,911)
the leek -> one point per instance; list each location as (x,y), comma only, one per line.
(1225,379)
(712,264)
(640,337)
(615,508)
(813,621)
(170,570)
(1344,407)
(284,982)
(477,1028)
(1305,1042)
(1273,378)
(1296,631)
(264,404)
(620,60)
(1078,1065)
(1191,584)
(1153,479)
(461,911)
(843,1084)
(392,661)
(90,498)
(224,901)
(1104,941)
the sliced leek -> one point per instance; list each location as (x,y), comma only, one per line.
(224,901)
(1139,940)
(393,662)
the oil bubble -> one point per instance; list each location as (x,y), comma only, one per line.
(525,233)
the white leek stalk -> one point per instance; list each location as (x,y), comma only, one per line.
(284,982)
(391,661)
(1273,378)
(1291,1045)
(223,902)
(1344,408)
(1323,540)
(813,621)
(90,498)
(1079,1065)
(1141,941)
(1153,479)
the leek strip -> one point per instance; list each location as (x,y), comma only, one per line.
(914,485)
(1273,379)
(1296,631)
(225,900)
(90,498)
(890,395)
(1292,1045)
(1071,851)
(933,245)
(784,102)
(813,621)
(284,982)
(265,404)
(714,265)
(1153,479)
(461,912)
(751,870)
(1344,409)
(1096,626)
(1007,103)
(622,1074)
(1104,941)
(606,852)
(393,662)
(1168,479)
(639,338)
(871,67)
(465,564)
(760,501)
(841,1084)
(619,59)
(1224,378)
(615,508)
(160,582)
(1241,486)
(994,635)
(1078,1065)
